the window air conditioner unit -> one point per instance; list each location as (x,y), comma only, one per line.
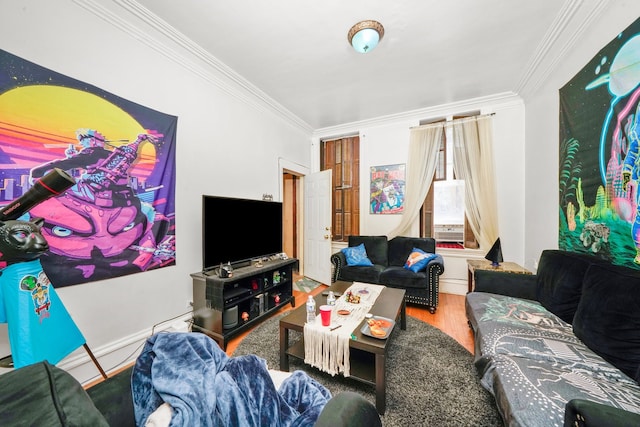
(449,233)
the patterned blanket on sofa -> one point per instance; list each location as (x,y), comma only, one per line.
(533,364)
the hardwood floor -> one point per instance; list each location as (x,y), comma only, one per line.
(449,317)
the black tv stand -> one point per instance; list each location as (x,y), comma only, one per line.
(219,303)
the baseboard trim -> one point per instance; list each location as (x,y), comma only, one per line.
(454,286)
(116,355)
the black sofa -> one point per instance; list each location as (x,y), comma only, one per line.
(560,346)
(43,395)
(388,258)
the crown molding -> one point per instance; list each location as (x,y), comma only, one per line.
(172,44)
(166,40)
(486,104)
(535,75)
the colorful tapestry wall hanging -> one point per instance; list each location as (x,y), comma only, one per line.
(387,189)
(119,218)
(599,164)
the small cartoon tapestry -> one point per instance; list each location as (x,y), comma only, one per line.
(119,217)
(387,189)
(599,146)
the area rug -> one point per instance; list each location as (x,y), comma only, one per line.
(306,285)
(431,379)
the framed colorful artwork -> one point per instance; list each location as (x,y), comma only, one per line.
(387,189)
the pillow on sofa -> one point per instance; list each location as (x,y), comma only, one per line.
(400,247)
(418,260)
(357,255)
(608,319)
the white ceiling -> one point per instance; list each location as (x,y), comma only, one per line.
(433,52)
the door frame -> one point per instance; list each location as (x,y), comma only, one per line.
(290,167)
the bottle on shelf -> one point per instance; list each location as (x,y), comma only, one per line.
(311,309)
(331,298)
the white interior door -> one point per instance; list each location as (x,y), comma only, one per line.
(317,226)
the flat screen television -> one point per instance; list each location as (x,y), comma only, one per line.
(237,230)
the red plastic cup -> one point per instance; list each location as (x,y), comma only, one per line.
(325,314)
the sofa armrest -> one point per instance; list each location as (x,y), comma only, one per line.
(43,394)
(509,284)
(349,409)
(584,413)
(435,267)
(338,260)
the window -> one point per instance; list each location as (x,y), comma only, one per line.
(442,214)
(342,156)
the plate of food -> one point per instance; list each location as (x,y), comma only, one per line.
(378,327)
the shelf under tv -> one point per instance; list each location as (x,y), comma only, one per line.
(251,294)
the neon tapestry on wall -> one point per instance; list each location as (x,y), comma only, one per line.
(119,218)
(599,146)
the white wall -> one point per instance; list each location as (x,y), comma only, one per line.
(227,144)
(386,144)
(542,128)
(386,141)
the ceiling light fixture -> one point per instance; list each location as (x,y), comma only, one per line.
(365,35)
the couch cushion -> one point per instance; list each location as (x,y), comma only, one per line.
(400,277)
(560,275)
(497,319)
(400,247)
(531,361)
(534,393)
(361,274)
(357,255)
(376,247)
(608,316)
(44,395)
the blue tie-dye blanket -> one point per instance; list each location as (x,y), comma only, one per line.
(205,387)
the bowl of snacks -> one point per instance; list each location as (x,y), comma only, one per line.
(352,298)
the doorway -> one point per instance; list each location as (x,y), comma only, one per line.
(290,229)
(292,196)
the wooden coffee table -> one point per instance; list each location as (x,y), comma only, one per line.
(367,355)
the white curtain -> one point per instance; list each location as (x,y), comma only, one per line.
(473,162)
(424,143)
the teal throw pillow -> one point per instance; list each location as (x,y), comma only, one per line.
(418,260)
(357,255)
